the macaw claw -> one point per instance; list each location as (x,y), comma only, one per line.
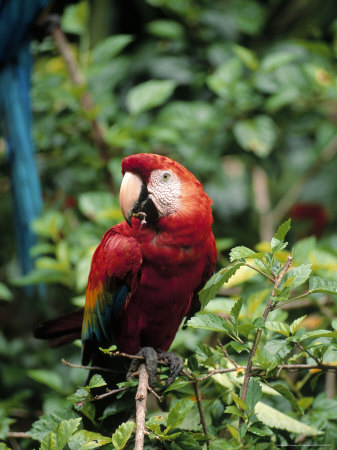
(151,363)
(176,365)
(151,357)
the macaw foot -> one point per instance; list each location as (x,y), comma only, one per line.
(175,363)
(151,362)
(151,357)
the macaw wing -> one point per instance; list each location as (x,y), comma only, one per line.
(210,262)
(112,280)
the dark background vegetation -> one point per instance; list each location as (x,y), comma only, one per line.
(246,100)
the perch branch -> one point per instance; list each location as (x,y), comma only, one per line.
(141,407)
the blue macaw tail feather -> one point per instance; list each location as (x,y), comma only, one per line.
(17,123)
(16,19)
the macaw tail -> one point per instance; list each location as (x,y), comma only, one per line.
(16,19)
(61,330)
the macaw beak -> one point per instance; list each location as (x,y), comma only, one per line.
(135,201)
(129,194)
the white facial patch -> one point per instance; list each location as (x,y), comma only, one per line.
(164,190)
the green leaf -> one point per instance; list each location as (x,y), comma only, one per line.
(235,311)
(334,324)
(284,391)
(241,252)
(122,434)
(247,56)
(209,322)
(49,422)
(260,429)
(5,293)
(64,430)
(47,377)
(318,284)
(273,353)
(318,334)
(278,327)
(110,47)
(239,402)
(257,135)
(178,413)
(149,95)
(96,381)
(100,207)
(283,230)
(75,18)
(254,394)
(167,29)
(296,324)
(85,440)
(212,286)
(49,442)
(273,418)
(234,410)
(299,275)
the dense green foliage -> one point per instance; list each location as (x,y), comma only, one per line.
(244,94)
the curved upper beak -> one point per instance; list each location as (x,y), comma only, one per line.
(129,194)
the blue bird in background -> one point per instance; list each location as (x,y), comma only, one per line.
(16,20)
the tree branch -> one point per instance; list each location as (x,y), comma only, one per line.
(141,407)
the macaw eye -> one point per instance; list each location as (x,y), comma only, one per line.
(166,176)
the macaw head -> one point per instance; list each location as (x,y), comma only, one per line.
(158,190)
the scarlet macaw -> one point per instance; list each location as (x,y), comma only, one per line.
(147,271)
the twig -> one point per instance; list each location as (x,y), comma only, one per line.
(201,411)
(224,351)
(269,307)
(78,79)
(108,393)
(141,407)
(19,435)
(79,366)
(261,272)
(158,397)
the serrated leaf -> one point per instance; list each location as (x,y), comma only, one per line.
(276,419)
(277,245)
(49,442)
(212,286)
(254,393)
(318,334)
(283,230)
(149,95)
(64,430)
(318,284)
(278,327)
(284,391)
(239,402)
(240,252)
(260,429)
(273,353)
(234,410)
(96,381)
(209,322)
(178,413)
(85,440)
(296,324)
(298,275)
(122,434)
(235,311)
(49,422)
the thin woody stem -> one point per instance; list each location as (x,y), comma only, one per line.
(269,307)
(201,411)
